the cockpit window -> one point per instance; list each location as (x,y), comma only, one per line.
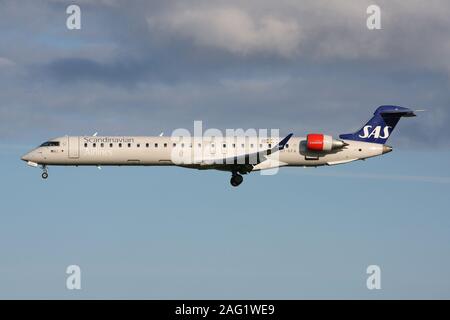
(50,144)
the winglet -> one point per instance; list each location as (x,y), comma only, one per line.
(283,142)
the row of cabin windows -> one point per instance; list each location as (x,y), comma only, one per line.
(138,145)
(147,145)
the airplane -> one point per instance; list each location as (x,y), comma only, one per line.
(237,155)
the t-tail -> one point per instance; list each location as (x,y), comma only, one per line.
(380,127)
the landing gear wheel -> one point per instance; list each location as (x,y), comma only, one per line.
(236,179)
(44,175)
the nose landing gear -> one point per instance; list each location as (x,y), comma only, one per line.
(236,179)
(45,173)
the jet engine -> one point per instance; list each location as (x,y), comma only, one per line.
(321,142)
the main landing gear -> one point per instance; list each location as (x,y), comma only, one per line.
(236,179)
(45,173)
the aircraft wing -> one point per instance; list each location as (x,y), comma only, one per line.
(244,162)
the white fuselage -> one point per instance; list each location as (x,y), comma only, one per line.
(195,152)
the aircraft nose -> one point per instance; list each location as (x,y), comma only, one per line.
(386,149)
(25,157)
(28,157)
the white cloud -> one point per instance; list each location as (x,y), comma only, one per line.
(317,30)
(233,29)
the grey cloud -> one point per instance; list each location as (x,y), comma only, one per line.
(149,66)
(4,62)
(78,69)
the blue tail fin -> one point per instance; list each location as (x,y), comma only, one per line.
(379,128)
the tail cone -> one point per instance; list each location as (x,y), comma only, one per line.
(386,149)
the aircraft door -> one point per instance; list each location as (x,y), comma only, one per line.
(74,147)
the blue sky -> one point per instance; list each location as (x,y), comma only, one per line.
(178,233)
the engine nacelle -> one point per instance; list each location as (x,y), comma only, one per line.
(321,142)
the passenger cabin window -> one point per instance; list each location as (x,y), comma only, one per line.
(147,145)
(50,144)
(129,145)
(94,145)
(138,145)
(85,145)
(102,144)
(156,145)
(174,145)
(110,145)
(120,145)
(165,145)
(287,146)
